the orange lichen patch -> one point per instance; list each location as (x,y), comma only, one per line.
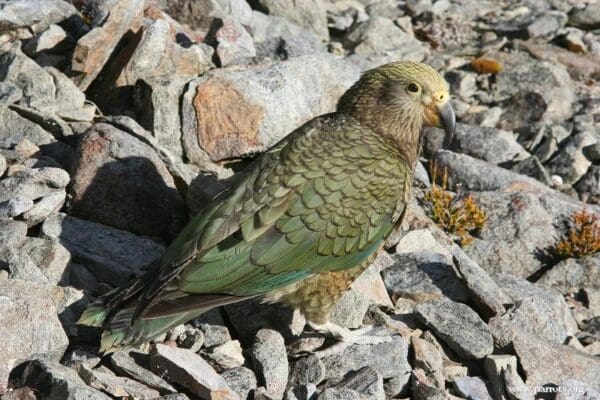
(227,122)
(484,65)
(460,217)
(583,237)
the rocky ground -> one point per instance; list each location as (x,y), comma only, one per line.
(119,119)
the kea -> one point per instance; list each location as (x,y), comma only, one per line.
(301,222)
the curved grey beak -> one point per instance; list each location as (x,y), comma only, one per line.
(448,122)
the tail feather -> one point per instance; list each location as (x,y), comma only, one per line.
(94,315)
(121,333)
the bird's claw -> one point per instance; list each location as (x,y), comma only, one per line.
(347,337)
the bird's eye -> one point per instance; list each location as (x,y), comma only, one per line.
(413,87)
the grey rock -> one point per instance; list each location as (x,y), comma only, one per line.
(103,379)
(269,358)
(339,394)
(23,393)
(571,274)
(429,359)
(261,103)
(215,331)
(378,40)
(50,257)
(533,167)
(9,93)
(158,70)
(590,330)
(587,17)
(302,392)
(341,16)
(15,129)
(543,139)
(80,277)
(44,89)
(48,40)
(593,299)
(423,276)
(55,381)
(194,339)
(181,172)
(136,366)
(494,365)
(472,387)
(388,359)
(20,266)
(538,311)
(365,381)
(311,15)
(423,388)
(369,285)
(462,83)
(121,181)
(513,381)
(309,369)
(386,8)
(519,288)
(14,207)
(19,19)
(397,386)
(492,145)
(19,191)
(547,24)
(570,163)
(250,316)
(549,363)
(102,40)
(225,356)
(519,227)
(543,87)
(588,187)
(189,370)
(350,310)
(45,207)
(592,152)
(111,255)
(2,165)
(175,396)
(472,174)
(280,39)
(233,42)
(241,380)
(489,298)
(458,326)
(576,390)
(200,14)
(12,233)
(29,326)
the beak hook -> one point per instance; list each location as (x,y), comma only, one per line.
(448,122)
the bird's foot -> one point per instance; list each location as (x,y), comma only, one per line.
(347,337)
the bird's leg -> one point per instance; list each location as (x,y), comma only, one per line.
(346,336)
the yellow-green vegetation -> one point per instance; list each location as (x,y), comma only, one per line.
(459,216)
(582,238)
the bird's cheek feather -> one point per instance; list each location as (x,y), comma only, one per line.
(432,117)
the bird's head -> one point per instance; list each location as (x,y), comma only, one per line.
(400,98)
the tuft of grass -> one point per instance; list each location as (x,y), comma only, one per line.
(582,238)
(460,217)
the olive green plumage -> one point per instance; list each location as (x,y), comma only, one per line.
(323,199)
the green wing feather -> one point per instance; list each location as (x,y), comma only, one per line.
(294,218)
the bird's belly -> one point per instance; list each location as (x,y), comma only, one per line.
(316,295)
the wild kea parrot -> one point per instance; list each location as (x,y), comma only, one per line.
(301,222)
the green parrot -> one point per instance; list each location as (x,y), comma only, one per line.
(301,222)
